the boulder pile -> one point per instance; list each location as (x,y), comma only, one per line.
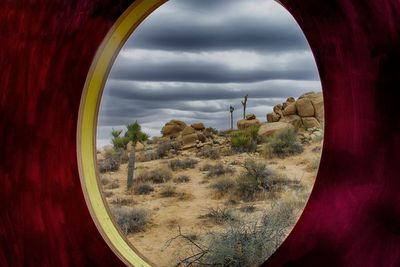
(307,111)
(248,122)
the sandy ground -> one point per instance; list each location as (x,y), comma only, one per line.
(195,198)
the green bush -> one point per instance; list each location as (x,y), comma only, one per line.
(240,141)
(131,220)
(283,143)
(178,164)
(156,176)
(255,179)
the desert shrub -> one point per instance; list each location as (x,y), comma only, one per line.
(131,220)
(112,185)
(248,209)
(253,180)
(240,141)
(143,188)
(168,191)
(156,176)
(108,194)
(220,215)
(313,165)
(182,179)
(211,130)
(227,151)
(163,149)
(109,164)
(216,170)
(178,164)
(147,155)
(284,143)
(209,152)
(104,180)
(249,244)
(122,202)
(223,185)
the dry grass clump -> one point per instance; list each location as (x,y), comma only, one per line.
(216,170)
(143,188)
(209,152)
(156,176)
(168,191)
(131,220)
(182,179)
(178,164)
(104,180)
(122,202)
(223,186)
(313,165)
(108,194)
(112,185)
(248,209)
(220,215)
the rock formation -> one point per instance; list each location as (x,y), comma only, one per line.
(307,111)
(248,122)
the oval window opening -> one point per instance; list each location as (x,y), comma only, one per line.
(208,136)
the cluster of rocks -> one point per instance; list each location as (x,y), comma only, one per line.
(195,135)
(312,134)
(306,112)
(249,121)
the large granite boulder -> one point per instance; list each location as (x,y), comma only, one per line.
(190,139)
(269,129)
(244,124)
(273,117)
(310,122)
(290,109)
(294,120)
(305,107)
(188,130)
(250,117)
(199,126)
(173,127)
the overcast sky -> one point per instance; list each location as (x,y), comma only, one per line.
(192,59)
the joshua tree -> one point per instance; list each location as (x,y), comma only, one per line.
(118,141)
(244,103)
(231,109)
(133,134)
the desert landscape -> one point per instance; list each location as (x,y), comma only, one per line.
(200,196)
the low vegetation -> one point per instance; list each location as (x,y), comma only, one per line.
(182,164)
(143,188)
(156,176)
(245,140)
(220,215)
(282,144)
(209,152)
(131,220)
(168,191)
(216,170)
(182,179)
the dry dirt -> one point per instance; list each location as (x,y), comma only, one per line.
(195,198)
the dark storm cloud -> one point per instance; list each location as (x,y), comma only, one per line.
(221,31)
(231,35)
(184,71)
(189,92)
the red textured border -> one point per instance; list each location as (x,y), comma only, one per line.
(46,48)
